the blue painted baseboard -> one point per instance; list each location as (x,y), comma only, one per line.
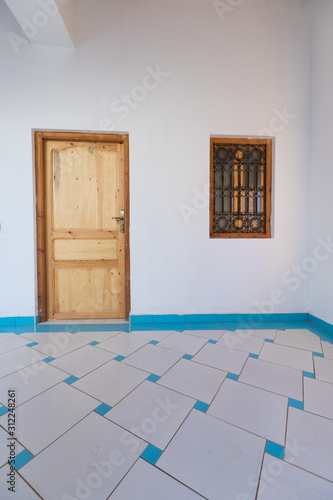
(18,321)
(254,318)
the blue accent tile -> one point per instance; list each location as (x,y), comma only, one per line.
(270,325)
(102,409)
(274,449)
(210,341)
(203,325)
(254,356)
(241,325)
(48,360)
(199,405)
(94,342)
(294,325)
(187,356)
(154,342)
(119,358)
(295,403)
(271,341)
(141,318)
(70,380)
(32,344)
(227,326)
(141,327)
(201,318)
(153,378)
(232,376)
(23,458)
(3,410)
(294,316)
(168,318)
(151,454)
(178,327)
(318,354)
(308,374)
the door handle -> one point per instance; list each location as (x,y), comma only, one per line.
(122,220)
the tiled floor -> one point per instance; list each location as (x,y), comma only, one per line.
(180,412)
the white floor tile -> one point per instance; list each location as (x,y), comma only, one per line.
(154,334)
(282,481)
(287,356)
(264,413)
(206,334)
(214,458)
(30,381)
(47,416)
(309,442)
(241,341)
(87,462)
(294,339)
(152,413)
(318,397)
(149,483)
(327,350)
(17,359)
(123,344)
(22,489)
(58,344)
(11,342)
(263,334)
(323,369)
(221,358)
(272,377)
(153,359)
(111,382)
(186,344)
(83,360)
(97,336)
(195,380)
(302,331)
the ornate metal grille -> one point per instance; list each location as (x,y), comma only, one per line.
(239,188)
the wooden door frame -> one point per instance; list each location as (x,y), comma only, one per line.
(40,137)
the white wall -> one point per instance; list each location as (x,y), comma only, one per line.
(227,74)
(321,283)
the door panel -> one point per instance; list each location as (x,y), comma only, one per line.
(85,250)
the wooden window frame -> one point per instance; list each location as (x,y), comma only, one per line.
(268,192)
(39,147)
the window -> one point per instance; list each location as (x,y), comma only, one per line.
(240,188)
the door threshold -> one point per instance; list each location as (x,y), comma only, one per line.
(84,322)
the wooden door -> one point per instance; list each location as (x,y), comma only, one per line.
(86,254)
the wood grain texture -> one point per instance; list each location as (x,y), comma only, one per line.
(83,259)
